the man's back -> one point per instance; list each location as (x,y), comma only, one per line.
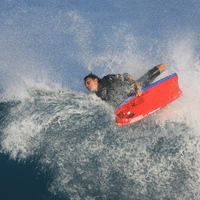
(114,90)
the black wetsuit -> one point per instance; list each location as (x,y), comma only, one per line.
(114,90)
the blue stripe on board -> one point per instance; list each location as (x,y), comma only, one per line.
(148,87)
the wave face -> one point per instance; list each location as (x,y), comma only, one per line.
(48,120)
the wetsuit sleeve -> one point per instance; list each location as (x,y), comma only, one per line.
(127,78)
(118,77)
(130,79)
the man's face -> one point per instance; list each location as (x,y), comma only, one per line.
(91,84)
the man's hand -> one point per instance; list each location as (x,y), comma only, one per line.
(138,92)
(137,89)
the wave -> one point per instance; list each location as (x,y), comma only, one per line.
(73,136)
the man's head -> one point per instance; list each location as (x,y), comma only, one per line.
(91,82)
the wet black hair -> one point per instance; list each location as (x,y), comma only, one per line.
(91,75)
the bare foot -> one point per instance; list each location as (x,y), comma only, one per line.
(162,67)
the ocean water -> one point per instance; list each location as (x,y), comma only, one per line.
(57,141)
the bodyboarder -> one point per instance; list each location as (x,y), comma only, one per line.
(114,88)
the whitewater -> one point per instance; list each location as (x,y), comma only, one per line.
(49,121)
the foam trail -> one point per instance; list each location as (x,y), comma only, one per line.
(182,58)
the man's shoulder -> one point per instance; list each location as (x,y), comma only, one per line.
(111,77)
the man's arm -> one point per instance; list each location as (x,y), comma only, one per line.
(128,77)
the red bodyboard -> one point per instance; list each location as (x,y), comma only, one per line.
(153,98)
